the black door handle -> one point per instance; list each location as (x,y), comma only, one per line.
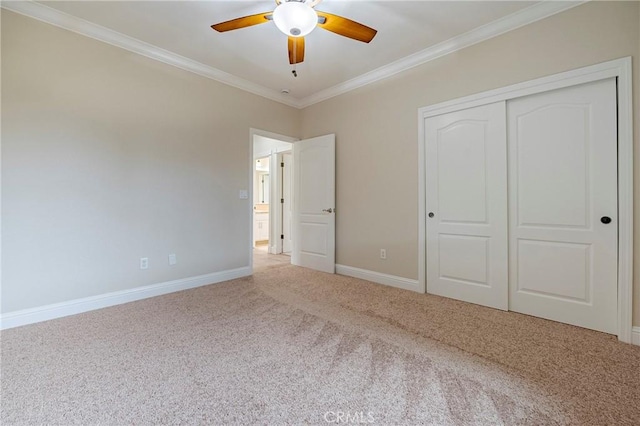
(605,219)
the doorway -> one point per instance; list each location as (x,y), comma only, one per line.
(301,208)
(261,203)
(271,200)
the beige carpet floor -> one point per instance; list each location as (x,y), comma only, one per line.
(294,346)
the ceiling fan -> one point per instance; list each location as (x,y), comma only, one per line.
(297,18)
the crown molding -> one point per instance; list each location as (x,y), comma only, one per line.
(500,26)
(503,25)
(69,22)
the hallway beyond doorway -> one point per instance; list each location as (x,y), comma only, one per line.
(262,259)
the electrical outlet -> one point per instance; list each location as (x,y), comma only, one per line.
(144,263)
(172,259)
(383,254)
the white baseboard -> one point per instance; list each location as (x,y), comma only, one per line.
(377,277)
(76,306)
(409,284)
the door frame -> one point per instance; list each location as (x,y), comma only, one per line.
(258,132)
(618,68)
(279,217)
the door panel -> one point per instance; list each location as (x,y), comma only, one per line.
(314,203)
(462,170)
(552,171)
(557,270)
(313,238)
(562,180)
(467,194)
(464,259)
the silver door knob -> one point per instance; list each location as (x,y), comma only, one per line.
(329,210)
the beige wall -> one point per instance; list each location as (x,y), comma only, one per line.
(108,157)
(376,126)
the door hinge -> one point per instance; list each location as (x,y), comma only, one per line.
(282,200)
(281,164)
(282,236)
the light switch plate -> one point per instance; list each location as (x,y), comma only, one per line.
(244,194)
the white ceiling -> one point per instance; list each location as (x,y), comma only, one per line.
(259,54)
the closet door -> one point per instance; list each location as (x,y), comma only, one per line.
(466,201)
(563,205)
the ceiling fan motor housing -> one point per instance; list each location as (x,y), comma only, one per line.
(295,18)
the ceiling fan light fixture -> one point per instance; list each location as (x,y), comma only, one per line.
(295,18)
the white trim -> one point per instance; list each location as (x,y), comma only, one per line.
(620,68)
(493,29)
(614,68)
(1,186)
(77,25)
(625,201)
(274,174)
(500,26)
(278,210)
(377,277)
(422,207)
(271,135)
(72,307)
(635,336)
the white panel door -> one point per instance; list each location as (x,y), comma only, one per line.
(314,221)
(466,202)
(562,189)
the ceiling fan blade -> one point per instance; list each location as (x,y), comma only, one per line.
(345,27)
(245,21)
(296,50)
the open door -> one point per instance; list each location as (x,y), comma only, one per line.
(314,220)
